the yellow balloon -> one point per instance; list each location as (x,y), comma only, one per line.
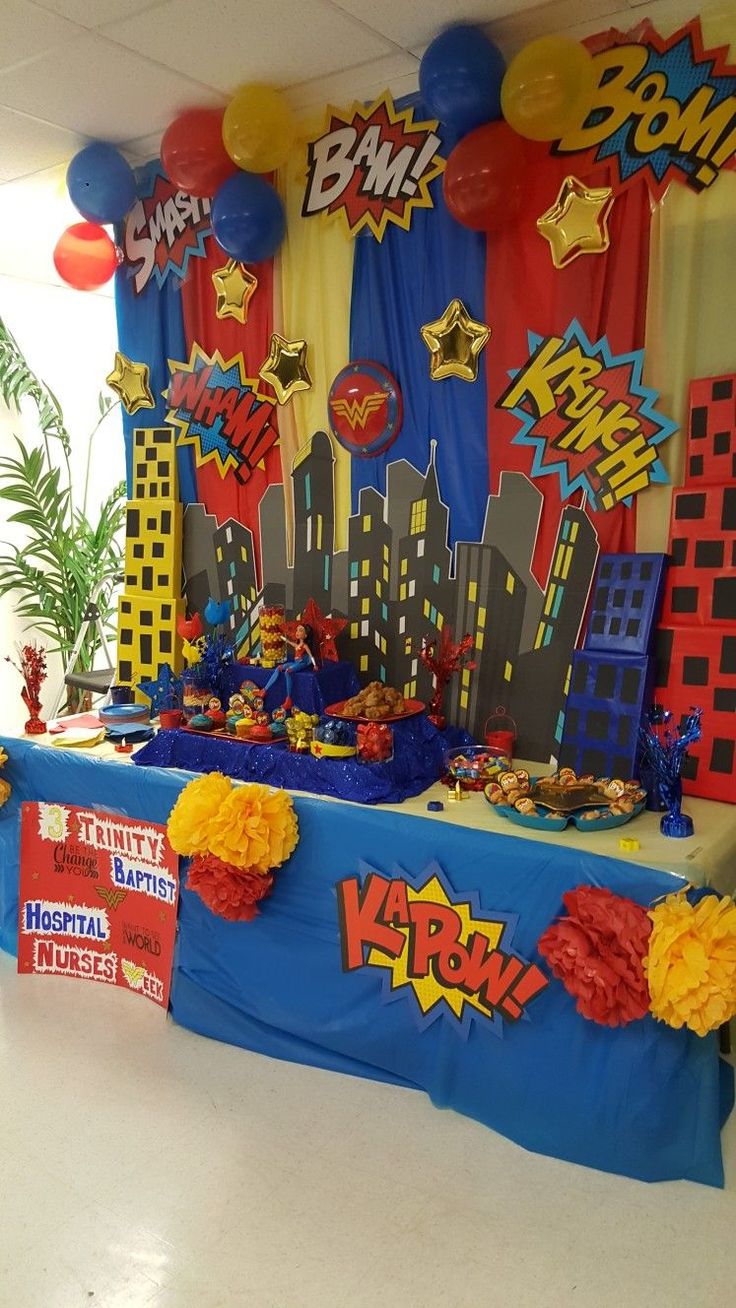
(258,129)
(548,88)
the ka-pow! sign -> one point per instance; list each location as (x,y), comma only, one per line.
(373,164)
(98,898)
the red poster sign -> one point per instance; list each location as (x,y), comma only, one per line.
(98,897)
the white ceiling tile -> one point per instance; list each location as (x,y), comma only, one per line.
(28,31)
(396,72)
(99,90)
(230,41)
(414,23)
(93,13)
(26,145)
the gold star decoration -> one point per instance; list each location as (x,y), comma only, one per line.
(577,222)
(454,342)
(131,382)
(234,288)
(286,368)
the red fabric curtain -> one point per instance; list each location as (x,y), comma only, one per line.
(525,292)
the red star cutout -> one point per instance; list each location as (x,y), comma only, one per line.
(326,630)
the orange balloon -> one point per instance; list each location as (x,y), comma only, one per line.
(548,88)
(85,257)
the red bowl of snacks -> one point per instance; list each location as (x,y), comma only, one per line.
(474,766)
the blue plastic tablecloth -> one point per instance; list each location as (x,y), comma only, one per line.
(645,1101)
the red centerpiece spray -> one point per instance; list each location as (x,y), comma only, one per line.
(444,657)
(32,668)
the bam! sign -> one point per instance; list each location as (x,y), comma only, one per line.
(219,412)
(163,231)
(662,109)
(451,958)
(588,417)
(98,898)
(373,165)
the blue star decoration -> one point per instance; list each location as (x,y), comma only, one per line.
(544,463)
(164,692)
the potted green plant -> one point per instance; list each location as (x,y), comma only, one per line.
(68,553)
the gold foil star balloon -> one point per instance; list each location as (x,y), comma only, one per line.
(577,222)
(286,368)
(234,288)
(131,383)
(454,342)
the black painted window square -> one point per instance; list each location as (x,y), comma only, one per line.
(619,599)
(722,390)
(140,470)
(146,647)
(625,571)
(709,554)
(165,522)
(598,624)
(165,612)
(699,422)
(605,681)
(162,436)
(632,627)
(728,655)
(724,598)
(150,455)
(684,599)
(689,508)
(637,599)
(606,569)
(130,580)
(162,468)
(140,438)
(139,552)
(597,724)
(162,580)
(140,490)
(601,598)
(696,465)
(678,551)
(615,626)
(147,579)
(125,636)
(722,442)
(721,757)
(164,642)
(151,524)
(125,672)
(157,549)
(724,700)
(132,522)
(165,490)
(625,732)
(572,722)
(125,606)
(694,671)
(593,760)
(630,685)
(645,571)
(728,516)
(580,676)
(146,618)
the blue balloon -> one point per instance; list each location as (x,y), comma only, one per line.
(460,78)
(215,613)
(248,218)
(101,183)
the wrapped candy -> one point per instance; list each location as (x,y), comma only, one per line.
(375,742)
(300,730)
(334,738)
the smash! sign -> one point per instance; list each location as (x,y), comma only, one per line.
(98,897)
(220,413)
(662,108)
(163,231)
(373,165)
(439,948)
(588,417)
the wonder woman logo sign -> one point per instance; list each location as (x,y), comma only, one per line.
(365,408)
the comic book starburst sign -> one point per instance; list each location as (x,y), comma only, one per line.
(588,417)
(220,413)
(373,164)
(164,230)
(663,109)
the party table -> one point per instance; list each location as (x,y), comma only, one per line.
(643,1100)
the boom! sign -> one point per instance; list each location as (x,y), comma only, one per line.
(219,412)
(98,898)
(373,165)
(588,417)
(666,109)
(164,230)
(440,949)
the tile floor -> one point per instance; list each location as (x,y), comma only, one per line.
(142,1165)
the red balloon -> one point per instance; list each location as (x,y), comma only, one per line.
(483,181)
(85,257)
(193,154)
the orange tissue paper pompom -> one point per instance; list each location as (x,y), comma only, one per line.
(691,964)
(256,828)
(197,808)
(230,892)
(5,791)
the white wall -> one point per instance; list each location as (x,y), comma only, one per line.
(69,339)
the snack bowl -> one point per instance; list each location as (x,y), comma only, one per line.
(474,766)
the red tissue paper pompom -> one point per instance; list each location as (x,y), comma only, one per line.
(597,954)
(230,892)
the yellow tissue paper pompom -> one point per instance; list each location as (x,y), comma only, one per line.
(691,963)
(256,828)
(197,808)
(5,792)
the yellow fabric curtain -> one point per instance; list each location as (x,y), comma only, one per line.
(312,295)
(689,332)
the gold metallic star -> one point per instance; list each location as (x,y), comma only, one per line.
(235,288)
(131,382)
(577,222)
(454,342)
(286,368)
